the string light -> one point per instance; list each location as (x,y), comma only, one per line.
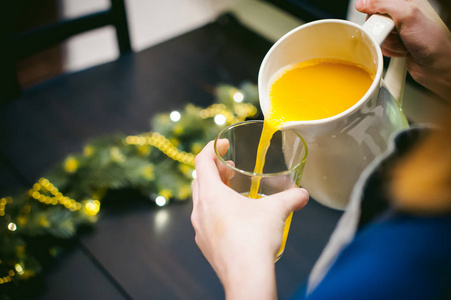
(8,278)
(160,201)
(238,97)
(175,116)
(91,207)
(19,269)
(220,119)
(12,226)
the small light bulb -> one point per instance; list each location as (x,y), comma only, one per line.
(238,97)
(175,116)
(160,201)
(220,119)
(12,226)
(19,269)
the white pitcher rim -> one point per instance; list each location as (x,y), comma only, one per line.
(376,81)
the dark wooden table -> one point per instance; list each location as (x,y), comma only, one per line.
(139,251)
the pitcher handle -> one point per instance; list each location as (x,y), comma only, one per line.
(395,78)
(379,27)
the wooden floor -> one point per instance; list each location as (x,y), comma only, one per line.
(137,251)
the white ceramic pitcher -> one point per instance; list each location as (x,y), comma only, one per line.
(340,147)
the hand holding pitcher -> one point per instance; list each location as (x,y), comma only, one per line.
(420,36)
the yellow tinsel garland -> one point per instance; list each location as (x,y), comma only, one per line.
(242,110)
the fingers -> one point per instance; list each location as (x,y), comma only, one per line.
(393,8)
(393,46)
(195,212)
(206,167)
(195,194)
(401,11)
(225,171)
(293,199)
(230,171)
(222,146)
(397,10)
(296,198)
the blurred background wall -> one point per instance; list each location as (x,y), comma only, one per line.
(154,21)
(150,22)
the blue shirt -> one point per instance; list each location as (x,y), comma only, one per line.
(403,257)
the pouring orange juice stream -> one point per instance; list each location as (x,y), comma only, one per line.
(312,90)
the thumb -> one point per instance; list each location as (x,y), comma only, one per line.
(292,199)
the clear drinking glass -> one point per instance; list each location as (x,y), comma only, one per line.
(283,168)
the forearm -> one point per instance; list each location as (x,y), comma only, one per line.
(252,278)
(248,275)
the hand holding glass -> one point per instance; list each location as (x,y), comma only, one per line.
(283,168)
